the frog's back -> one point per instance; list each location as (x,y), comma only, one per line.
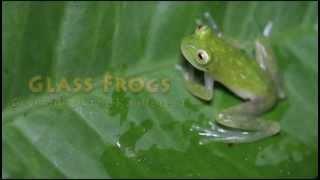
(237,71)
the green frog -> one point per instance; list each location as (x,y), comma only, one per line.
(256,80)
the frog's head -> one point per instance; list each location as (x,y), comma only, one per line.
(195,48)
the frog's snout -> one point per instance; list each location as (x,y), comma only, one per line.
(187,49)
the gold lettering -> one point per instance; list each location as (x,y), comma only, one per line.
(136,84)
(165,83)
(151,86)
(78,85)
(49,86)
(63,85)
(88,84)
(34,86)
(120,84)
(107,81)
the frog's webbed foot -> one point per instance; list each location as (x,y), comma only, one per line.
(241,123)
(218,133)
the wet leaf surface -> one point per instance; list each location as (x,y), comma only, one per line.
(112,133)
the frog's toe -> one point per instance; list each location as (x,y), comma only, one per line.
(267,29)
(218,133)
(274,128)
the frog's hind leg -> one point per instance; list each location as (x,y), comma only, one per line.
(266,60)
(245,116)
(240,123)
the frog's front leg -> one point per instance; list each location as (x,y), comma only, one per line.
(202,91)
(246,117)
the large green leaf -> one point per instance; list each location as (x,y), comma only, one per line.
(145,134)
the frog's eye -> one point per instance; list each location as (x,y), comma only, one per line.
(200,26)
(203,57)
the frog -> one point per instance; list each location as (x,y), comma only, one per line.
(253,77)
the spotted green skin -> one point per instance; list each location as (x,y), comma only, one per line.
(228,65)
(241,74)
